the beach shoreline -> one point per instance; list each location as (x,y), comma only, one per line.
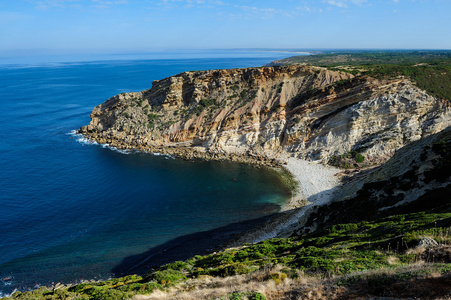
(315,181)
(316,185)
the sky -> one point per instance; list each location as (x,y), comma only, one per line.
(148,25)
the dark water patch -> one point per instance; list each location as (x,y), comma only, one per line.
(187,246)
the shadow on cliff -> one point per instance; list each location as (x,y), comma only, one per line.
(187,246)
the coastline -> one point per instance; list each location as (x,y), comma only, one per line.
(316,185)
(315,182)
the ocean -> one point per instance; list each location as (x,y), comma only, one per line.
(71,210)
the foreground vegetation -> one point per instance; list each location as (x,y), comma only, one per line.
(340,252)
(430,70)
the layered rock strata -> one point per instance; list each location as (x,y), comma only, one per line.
(254,114)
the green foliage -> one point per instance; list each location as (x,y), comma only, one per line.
(207,102)
(152,118)
(167,276)
(435,79)
(430,70)
(359,158)
(351,159)
(368,57)
(178,265)
(257,296)
(139,101)
(338,249)
(202,105)
(101,293)
(140,287)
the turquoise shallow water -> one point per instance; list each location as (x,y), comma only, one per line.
(71,210)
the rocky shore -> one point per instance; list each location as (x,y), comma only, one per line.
(251,114)
(302,118)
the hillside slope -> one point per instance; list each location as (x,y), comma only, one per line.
(254,114)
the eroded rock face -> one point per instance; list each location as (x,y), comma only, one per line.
(417,178)
(310,112)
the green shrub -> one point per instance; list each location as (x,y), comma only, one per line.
(257,296)
(168,276)
(141,287)
(99,293)
(177,265)
(359,158)
(207,102)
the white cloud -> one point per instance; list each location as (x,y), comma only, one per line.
(345,3)
(103,2)
(341,4)
(304,8)
(173,4)
(308,9)
(46,4)
(359,2)
(264,13)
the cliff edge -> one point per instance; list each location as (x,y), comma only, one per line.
(257,114)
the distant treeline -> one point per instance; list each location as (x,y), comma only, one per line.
(429,69)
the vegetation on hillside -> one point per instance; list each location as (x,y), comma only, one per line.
(430,70)
(341,251)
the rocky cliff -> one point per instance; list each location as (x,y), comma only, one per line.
(256,113)
(417,178)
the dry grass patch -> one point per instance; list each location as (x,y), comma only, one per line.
(270,282)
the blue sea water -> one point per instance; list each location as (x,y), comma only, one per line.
(71,210)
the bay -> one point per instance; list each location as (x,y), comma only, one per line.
(71,210)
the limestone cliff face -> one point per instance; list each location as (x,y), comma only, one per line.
(311,112)
(416,178)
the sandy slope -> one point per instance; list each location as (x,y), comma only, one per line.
(316,182)
(316,186)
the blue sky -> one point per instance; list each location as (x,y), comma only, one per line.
(142,25)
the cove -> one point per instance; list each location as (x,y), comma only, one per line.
(74,211)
